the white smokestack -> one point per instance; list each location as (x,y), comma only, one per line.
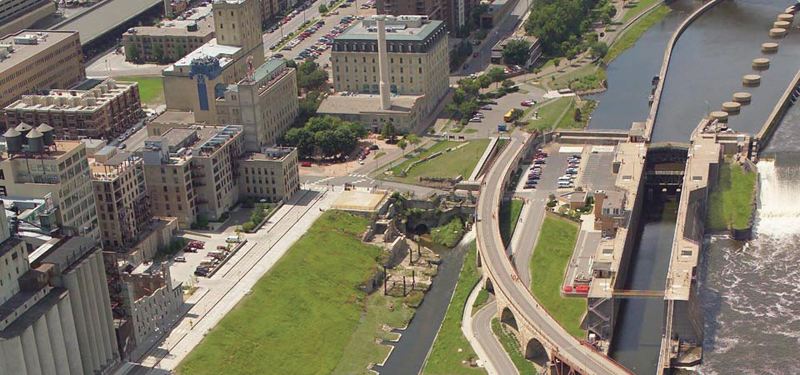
(383,64)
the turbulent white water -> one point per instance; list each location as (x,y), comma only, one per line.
(750,294)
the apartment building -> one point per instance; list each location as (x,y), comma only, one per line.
(166,42)
(264,103)
(100,109)
(454,13)
(34,60)
(196,80)
(272,174)
(417,52)
(16,15)
(121,197)
(35,165)
(55,315)
(191,171)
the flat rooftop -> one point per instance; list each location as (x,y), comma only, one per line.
(416,28)
(22,52)
(175,117)
(366,104)
(211,48)
(271,153)
(358,201)
(62,148)
(175,28)
(74,100)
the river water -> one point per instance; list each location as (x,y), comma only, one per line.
(706,68)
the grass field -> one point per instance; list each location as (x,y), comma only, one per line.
(301,315)
(568,120)
(550,257)
(640,7)
(509,213)
(635,32)
(731,202)
(480,300)
(549,113)
(448,234)
(511,345)
(587,77)
(151,89)
(445,358)
(451,164)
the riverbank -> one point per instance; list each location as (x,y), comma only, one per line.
(732,203)
(635,31)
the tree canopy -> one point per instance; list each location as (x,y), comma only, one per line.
(309,74)
(559,23)
(327,136)
(517,52)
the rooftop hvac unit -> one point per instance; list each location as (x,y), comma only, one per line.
(29,40)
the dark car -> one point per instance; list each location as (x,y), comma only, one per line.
(374,147)
(533,177)
(527,186)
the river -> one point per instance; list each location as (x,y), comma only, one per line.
(706,68)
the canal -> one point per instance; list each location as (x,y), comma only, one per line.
(707,66)
(637,336)
(409,354)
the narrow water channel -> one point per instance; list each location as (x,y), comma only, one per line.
(637,336)
(410,352)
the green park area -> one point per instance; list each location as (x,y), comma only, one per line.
(448,165)
(731,202)
(151,89)
(635,31)
(306,315)
(451,350)
(560,114)
(588,77)
(636,8)
(509,215)
(549,113)
(550,257)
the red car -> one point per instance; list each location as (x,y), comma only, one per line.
(305,164)
(475,54)
(222,247)
(526,104)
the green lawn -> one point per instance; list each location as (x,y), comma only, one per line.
(432,148)
(363,349)
(635,32)
(731,202)
(509,214)
(549,112)
(584,78)
(511,345)
(449,165)
(448,234)
(151,89)
(640,7)
(568,121)
(548,263)
(480,300)
(301,315)
(445,358)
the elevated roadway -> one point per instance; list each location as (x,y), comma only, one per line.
(516,305)
(104,17)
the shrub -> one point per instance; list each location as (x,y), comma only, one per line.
(248,226)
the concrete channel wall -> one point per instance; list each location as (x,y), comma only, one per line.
(777,113)
(651,118)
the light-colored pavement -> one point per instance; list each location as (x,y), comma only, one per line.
(493,117)
(506,281)
(216,296)
(478,330)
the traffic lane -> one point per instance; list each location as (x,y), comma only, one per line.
(506,280)
(482,326)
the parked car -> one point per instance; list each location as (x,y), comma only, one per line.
(374,147)
(475,119)
(190,249)
(179,259)
(222,247)
(305,164)
(232,239)
(486,108)
(529,186)
(572,171)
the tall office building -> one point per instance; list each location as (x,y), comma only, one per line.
(35,165)
(264,103)
(195,81)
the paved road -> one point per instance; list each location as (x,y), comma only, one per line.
(506,279)
(482,327)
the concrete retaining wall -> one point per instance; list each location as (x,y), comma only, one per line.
(777,113)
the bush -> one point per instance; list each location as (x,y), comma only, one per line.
(200,224)
(248,226)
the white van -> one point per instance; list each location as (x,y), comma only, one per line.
(565,179)
(564,184)
(234,239)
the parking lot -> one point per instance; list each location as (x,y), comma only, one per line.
(487,127)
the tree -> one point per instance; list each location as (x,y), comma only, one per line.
(557,62)
(576,115)
(459,96)
(467,109)
(470,86)
(517,51)
(497,74)
(327,142)
(599,50)
(133,53)
(413,139)
(302,139)
(402,144)
(389,132)
(310,76)
(158,53)
(484,81)
(557,21)
(180,51)
(323,9)
(507,84)
(516,114)
(571,55)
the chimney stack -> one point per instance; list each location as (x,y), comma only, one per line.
(383,63)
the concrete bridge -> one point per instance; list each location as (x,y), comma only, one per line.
(544,340)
